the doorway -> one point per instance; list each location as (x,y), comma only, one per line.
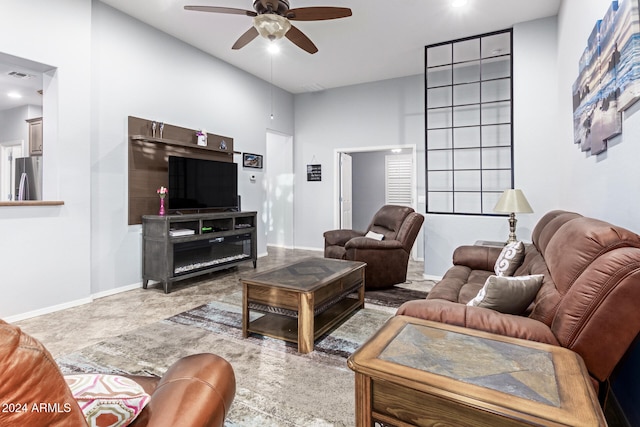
(9,151)
(279,189)
(373,177)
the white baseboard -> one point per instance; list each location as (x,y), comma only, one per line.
(431,277)
(70,304)
(47,310)
(117,290)
(304,248)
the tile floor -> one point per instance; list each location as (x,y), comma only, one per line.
(68,330)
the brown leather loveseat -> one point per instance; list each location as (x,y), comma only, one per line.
(196,390)
(588,301)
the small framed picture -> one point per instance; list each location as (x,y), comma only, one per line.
(252,160)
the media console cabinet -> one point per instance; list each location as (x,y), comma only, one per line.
(177,247)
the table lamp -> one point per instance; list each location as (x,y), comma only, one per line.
(512,201)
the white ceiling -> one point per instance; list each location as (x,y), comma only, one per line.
(382,40)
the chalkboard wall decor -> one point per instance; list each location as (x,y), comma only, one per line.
(314,172)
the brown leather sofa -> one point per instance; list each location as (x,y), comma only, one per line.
(588,301)
(197,390)
(387,259)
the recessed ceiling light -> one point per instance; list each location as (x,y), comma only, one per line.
(459,3)
(14,95)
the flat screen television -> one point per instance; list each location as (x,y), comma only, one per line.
(202,184)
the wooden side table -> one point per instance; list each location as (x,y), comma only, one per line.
(414,372)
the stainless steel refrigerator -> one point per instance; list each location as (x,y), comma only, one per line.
(28,178)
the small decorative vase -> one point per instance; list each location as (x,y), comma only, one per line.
(161,206)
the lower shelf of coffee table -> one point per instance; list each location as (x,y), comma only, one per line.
(286,327)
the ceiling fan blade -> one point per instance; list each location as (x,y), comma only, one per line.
(317,13)
(298,38)
(215,9)
(244,39)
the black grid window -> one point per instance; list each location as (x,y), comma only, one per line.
(469,117)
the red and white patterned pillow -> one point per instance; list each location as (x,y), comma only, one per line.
(107,400)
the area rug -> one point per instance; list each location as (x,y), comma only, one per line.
(276,386)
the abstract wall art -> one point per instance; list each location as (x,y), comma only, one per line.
(609,77)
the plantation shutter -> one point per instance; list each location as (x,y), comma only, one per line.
(399,179)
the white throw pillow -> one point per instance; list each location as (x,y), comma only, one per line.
(510,259)
(375,236)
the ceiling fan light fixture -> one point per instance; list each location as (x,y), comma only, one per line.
(271,26)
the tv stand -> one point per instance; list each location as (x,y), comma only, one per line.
(177,247)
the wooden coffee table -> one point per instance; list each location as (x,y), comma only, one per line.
(302,301)
(414,372)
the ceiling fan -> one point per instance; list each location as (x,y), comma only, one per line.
(271,20)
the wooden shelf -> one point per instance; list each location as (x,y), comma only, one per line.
(166,141)
(34,203)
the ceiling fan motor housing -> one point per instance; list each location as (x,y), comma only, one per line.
(279,7)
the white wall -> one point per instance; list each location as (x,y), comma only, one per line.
(139,71)
(384,113)
(45,250)
(604,186)
(110,66)
(276,178)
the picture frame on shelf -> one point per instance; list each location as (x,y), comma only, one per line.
(250,160)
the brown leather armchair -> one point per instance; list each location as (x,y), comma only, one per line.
(386,259)
(197,390)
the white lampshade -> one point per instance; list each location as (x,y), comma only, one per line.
(513,201)
(271,26)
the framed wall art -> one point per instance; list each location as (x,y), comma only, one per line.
(250,160)
(609,77)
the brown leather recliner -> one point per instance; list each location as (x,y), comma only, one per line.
(386,259)
(589,297)
(197,390)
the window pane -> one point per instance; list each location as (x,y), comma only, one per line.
(466,116)
(496,158)
(439,55)
(439,160)
(496,90)
(439,97)
(440,202)
(468,202)
(496,180)
(496,68)
(439,138)
(440,181)
(439,76)
(466,137)
(466,94)
(467,159)
(467,72)
(467,50)
(439,118)
(498,44)
(493,135)
(467,181)
(496,112)
(489,201)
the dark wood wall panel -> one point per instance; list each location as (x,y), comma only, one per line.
(149,160)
